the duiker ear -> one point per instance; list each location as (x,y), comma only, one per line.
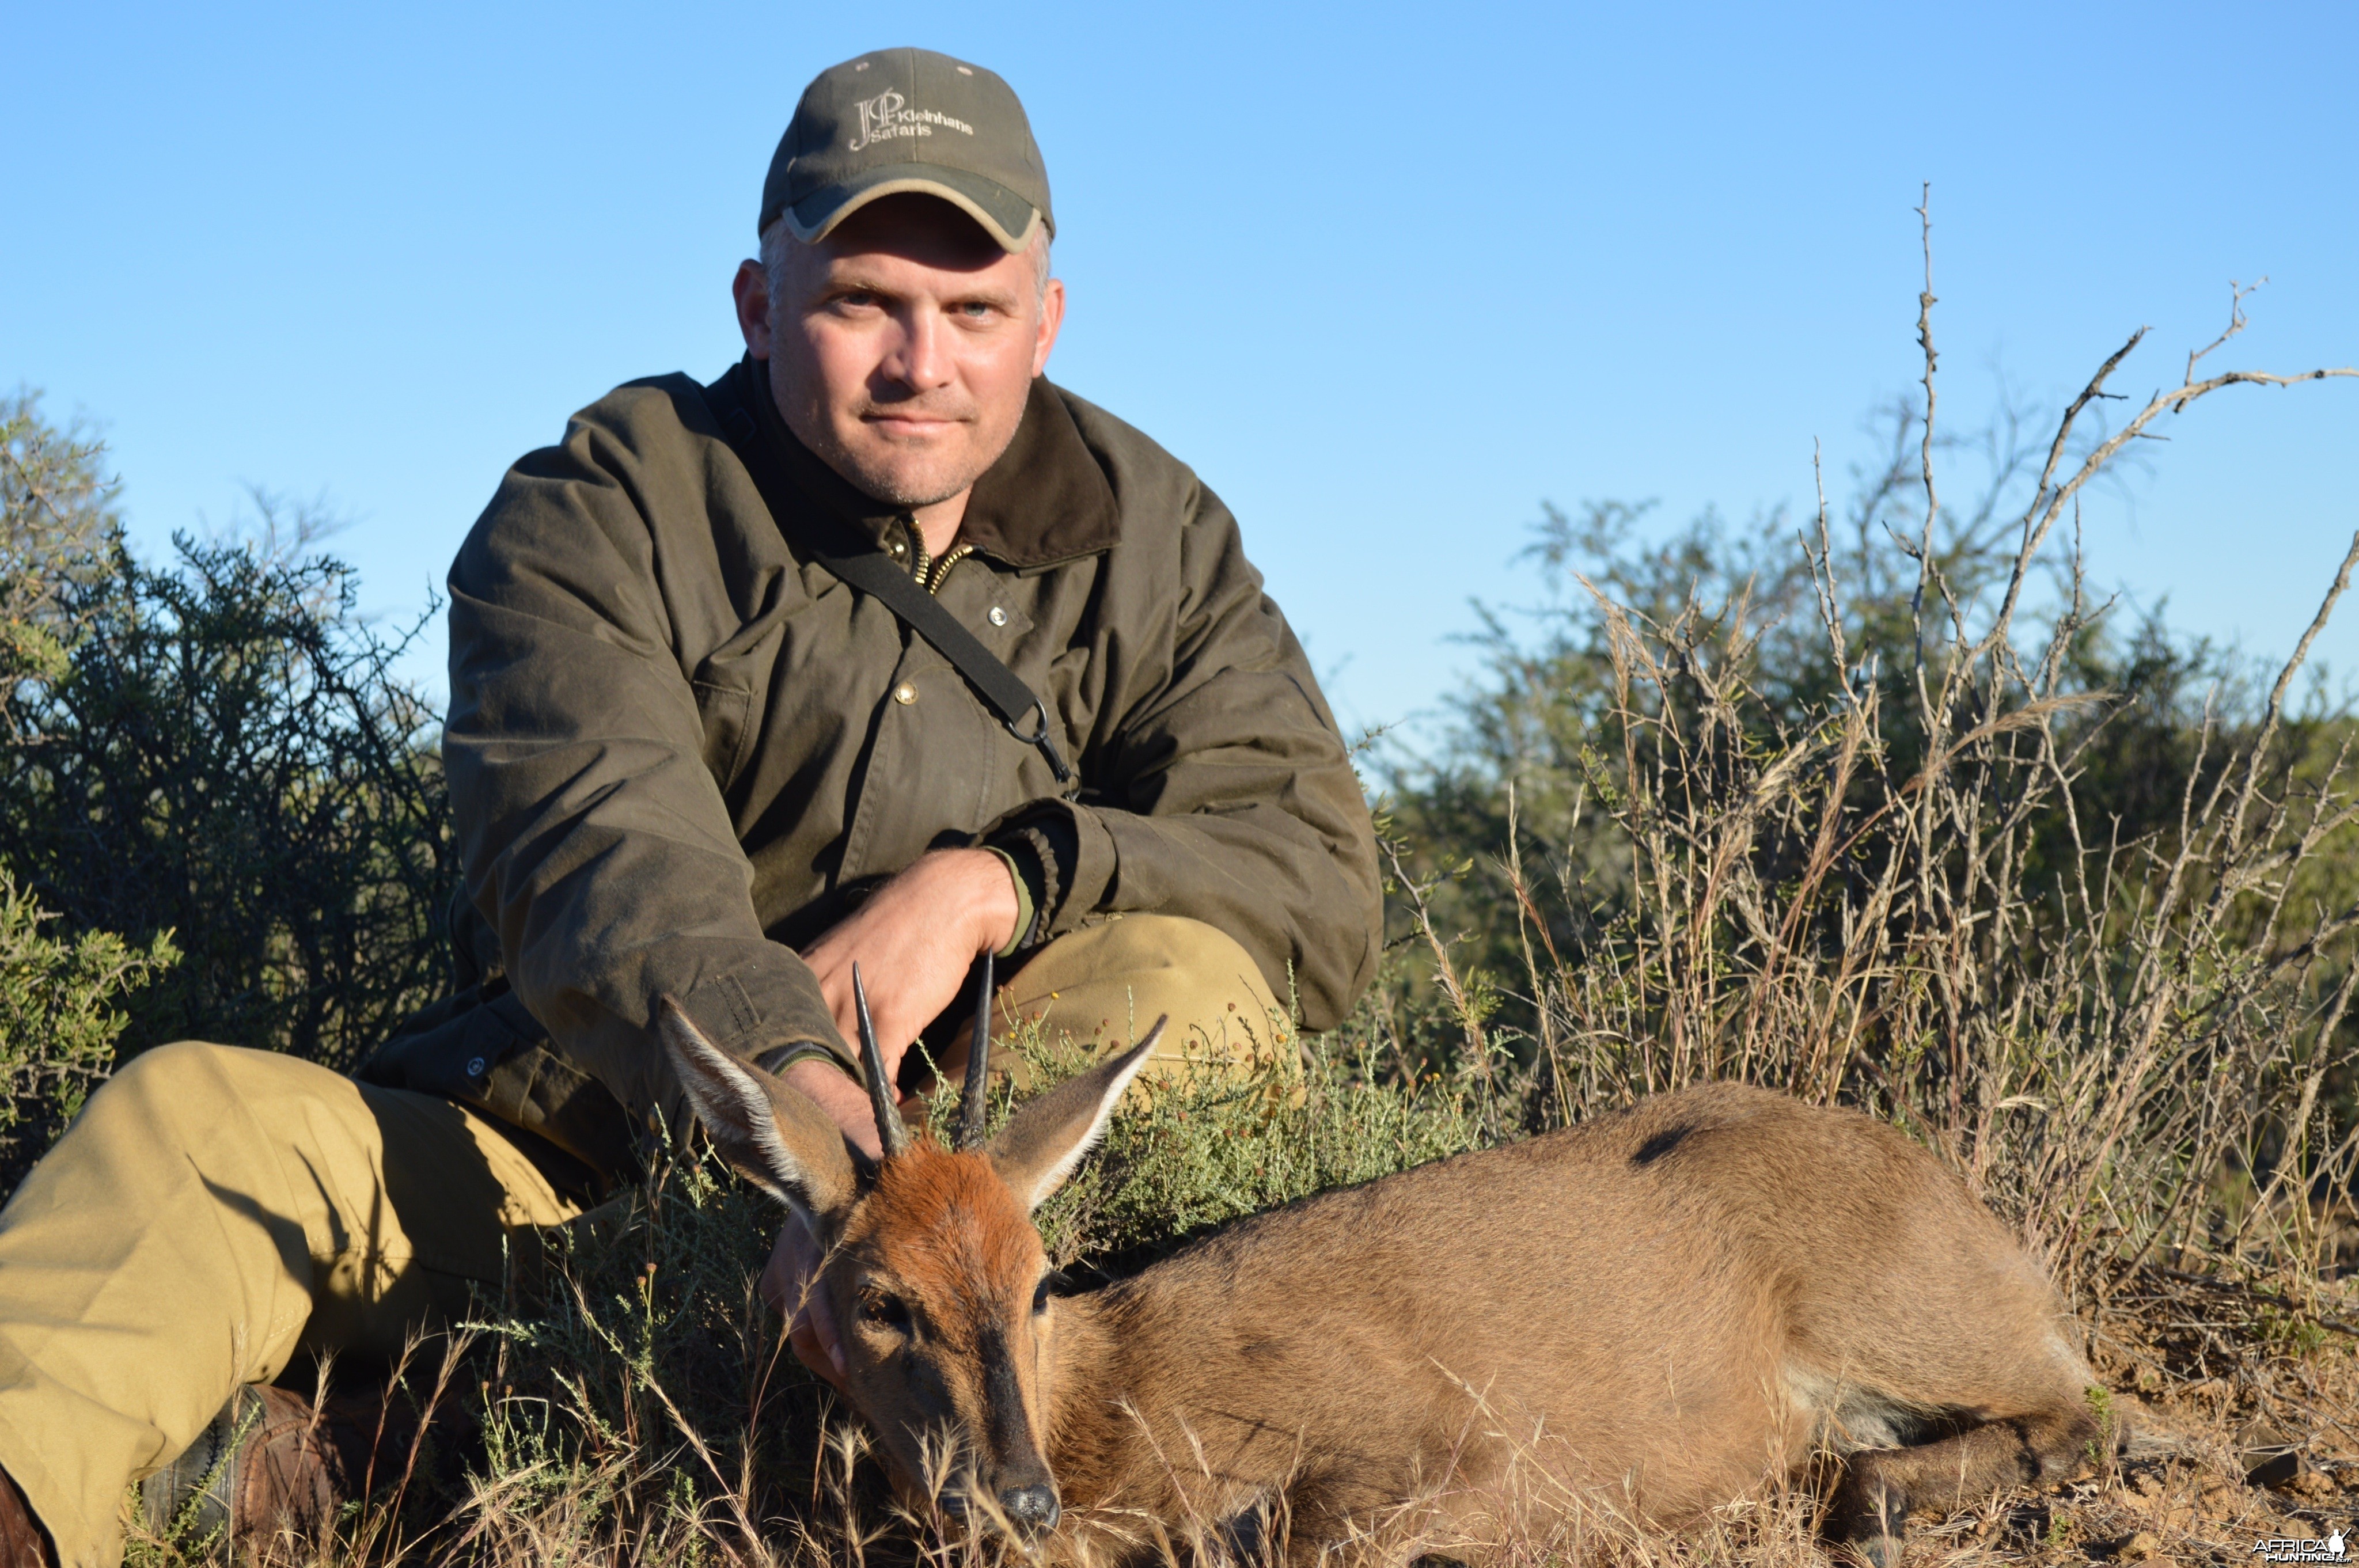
(1042,1142)
(775,1135)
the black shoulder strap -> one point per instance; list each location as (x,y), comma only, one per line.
(1002,687)
(873,574)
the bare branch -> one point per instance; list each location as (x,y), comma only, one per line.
(2237,294)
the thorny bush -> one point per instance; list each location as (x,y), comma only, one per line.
(223,754)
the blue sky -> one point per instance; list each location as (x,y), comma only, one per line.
(1387,276)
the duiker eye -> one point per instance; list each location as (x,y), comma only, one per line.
(886,1312)
(1052,1280)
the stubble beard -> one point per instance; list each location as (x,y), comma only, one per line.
(907,480)
(903,476)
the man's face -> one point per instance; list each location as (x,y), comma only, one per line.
(902,346)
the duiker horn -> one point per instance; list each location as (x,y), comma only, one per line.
(892,1132)
(975,1109)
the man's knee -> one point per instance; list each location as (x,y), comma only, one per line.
(1211,984)
(194,1111)
(168,1085)
(181,1062)
(194,1082)
(1106,985)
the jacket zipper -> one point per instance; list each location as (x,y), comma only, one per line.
(941,572)
(931,573)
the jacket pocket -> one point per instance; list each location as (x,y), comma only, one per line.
(731,683)
(726,713)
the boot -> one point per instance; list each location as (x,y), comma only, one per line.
(260,1477)
(23,1542)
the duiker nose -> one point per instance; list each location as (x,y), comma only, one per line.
(1030,1509)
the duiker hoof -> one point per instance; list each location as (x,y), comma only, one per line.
(1868,1519)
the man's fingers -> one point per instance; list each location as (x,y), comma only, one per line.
(893,1031)
(807,1349)
(821,1319)
(807,1352)
(914,938)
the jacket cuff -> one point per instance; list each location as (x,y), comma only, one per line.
(1063,858)
(759,1014)
(779,1058)
(1027,898)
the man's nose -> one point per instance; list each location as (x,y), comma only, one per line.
(922,360)
(1032,1510)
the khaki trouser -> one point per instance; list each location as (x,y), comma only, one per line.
(215,1210)
(1105,986)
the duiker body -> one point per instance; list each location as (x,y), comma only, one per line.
(1638,1318)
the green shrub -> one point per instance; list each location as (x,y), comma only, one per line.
(57,521)
(1197,1156)
(59,1013)
(224,752)
(227,809)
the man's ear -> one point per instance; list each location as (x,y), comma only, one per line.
(751,290)
(777,1136)
(1052,318)
(1042,1142)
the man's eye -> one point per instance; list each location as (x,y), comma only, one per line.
(857,298)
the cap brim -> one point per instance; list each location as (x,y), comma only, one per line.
(1007,217)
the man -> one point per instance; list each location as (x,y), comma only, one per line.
(688,757)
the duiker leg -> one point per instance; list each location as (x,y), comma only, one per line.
(1880,1485)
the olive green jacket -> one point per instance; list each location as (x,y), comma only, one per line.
(679,747)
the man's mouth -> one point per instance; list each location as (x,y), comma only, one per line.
(917,425)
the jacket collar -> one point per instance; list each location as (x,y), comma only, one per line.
(1046,499)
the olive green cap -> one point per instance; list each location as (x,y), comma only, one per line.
(903,120)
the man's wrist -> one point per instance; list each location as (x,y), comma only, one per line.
(1038,845)
(983,892)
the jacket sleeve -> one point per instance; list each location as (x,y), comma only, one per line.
(595,841)
(1221,791)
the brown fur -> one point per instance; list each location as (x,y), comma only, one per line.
(1643,1317)
(941,1236)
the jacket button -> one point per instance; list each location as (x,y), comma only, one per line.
(998,616)
(899,549)
(905,694)
(475,1066)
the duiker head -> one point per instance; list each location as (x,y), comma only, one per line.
(934,1274)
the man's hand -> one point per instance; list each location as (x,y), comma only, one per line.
(915,939)
(845,1100)
(790,1283)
